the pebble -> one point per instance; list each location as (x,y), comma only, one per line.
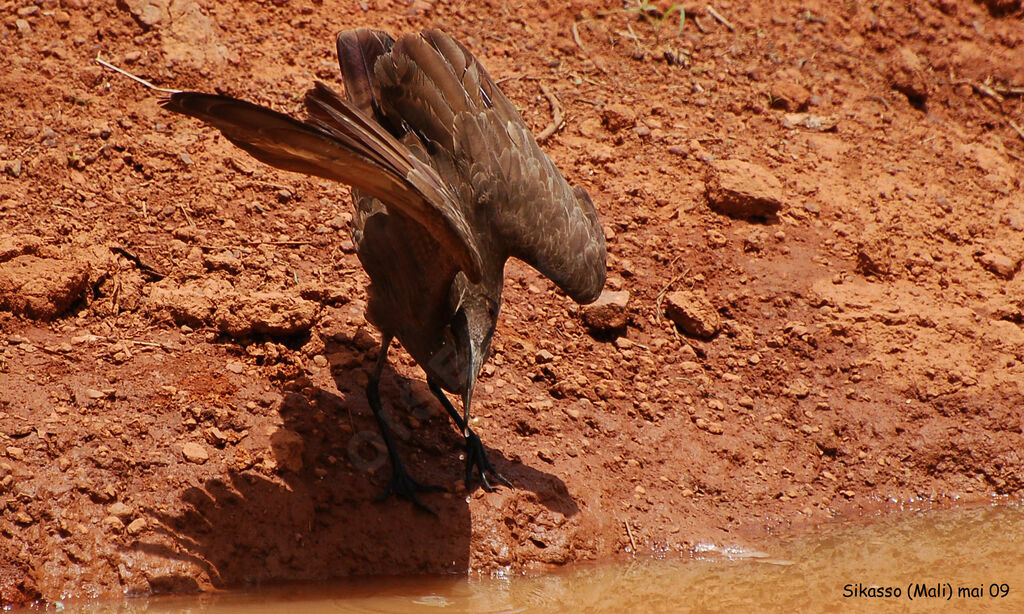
(717,240)
(789,96)
(13,168)
(235,367)
(999,264)
(743,190)
(23,28)
(113,523)
(195,453)
(800,389)
(120,510)
(906,74)
(616,117)
(608,313)
(693,314)
(136,526)
(712,427)
(814,123)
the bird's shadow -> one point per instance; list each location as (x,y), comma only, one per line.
(317,515)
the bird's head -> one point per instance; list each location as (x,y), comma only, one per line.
(465,342)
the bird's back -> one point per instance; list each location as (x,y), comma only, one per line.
(429,91)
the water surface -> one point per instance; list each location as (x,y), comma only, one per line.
(963,560)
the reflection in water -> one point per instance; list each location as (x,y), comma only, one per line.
(967,555)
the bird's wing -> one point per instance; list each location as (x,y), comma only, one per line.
(519,201)
(351,149)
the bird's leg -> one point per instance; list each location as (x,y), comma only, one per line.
(475,455)
(402,484)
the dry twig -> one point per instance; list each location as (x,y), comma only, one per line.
(130,255)
(557,120)
(1009,91)
(134,78)
(576,35)
(722,20)
(629,532)
(1016,128)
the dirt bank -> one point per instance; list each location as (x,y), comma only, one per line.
(825,196)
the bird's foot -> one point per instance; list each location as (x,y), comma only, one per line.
(476,458)
(404,486)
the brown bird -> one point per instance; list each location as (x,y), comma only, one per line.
(448,183)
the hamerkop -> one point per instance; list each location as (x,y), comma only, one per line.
(448,183)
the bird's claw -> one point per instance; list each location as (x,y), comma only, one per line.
(476,458)
(404,486)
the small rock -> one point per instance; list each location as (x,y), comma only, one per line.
(235,367)
(148,12)
(216,436)
(271,313)
(608,313)
(320,361)
(15,453)
(693,314)
(800,389)
(42,288)
(23,28)
(789,96)
(717,240)
(999,264)
(22,517)
(814,123)
(616,117)
(906,74)
(341,221)
(195,453)
(136,526)
(113,523)
(755,241)
(544,356)
(876,254)
(225,261)
(120,510)
(13,168)
(288,447)
(711,427)
(743,190)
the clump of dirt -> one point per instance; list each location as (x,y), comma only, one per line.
(183,352)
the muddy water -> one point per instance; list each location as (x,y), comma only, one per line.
(966,560)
